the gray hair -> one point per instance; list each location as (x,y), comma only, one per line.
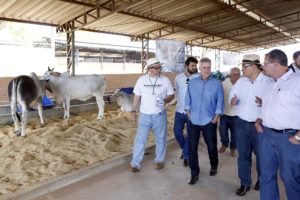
(207,60)
(234,68)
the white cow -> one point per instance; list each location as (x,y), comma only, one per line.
(28,91)
(66,88)
(124,100)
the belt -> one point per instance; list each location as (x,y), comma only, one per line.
(248,122)
(284,131)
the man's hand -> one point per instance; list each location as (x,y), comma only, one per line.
(233,101)
(188,114)
(293,140)
(258,125)
(258,101)
(133,116)
(215,119)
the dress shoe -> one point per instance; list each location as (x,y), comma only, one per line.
(133,169)
(181,157)
(222,149)
(185,162)
(256,187)
(233,152)
(242,190)
(193,180)
(159,165)
(213,172)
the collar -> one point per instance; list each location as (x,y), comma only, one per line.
(285,76)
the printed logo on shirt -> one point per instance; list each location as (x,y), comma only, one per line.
(152,85)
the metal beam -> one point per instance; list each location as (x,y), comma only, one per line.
(93,15)
(246,14)
(145,52)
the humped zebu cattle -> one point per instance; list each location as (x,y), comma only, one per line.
(66,88)
(124,98)
(27,91)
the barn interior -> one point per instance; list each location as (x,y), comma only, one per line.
(222,25)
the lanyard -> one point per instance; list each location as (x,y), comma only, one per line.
(153,93)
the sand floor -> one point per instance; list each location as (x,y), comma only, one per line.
(63,146)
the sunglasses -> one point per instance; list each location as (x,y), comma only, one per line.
(187,81)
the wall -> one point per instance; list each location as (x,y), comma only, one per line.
(114,81)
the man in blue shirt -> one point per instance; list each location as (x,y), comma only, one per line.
(181,118)
(204,103)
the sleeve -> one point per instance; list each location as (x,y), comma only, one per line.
(170,89)
(187,98)
(234,91)
(220,100)
(176,86)
(137,89)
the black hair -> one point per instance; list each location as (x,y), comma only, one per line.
(278,56)
(296,54)
(189,60)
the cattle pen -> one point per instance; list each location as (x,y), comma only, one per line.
(86,158)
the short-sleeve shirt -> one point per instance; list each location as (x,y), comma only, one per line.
(149,89)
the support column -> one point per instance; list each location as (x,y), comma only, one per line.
(145,51)
(189,50)
(70,47)
(217,59)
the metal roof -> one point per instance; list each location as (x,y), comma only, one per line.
(233,25)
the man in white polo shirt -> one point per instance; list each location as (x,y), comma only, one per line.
(154,91)
(279,127)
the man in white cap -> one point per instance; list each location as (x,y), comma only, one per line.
(243,95)
(154,91)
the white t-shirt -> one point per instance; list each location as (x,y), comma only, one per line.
(151,88)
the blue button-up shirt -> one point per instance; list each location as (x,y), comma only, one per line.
(204,99)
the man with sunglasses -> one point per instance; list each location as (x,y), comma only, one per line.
(243,95)
(154,91)
(181,118)
(279,127)
(204,103)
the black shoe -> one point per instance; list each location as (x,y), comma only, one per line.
(193,180)
(256,187)
(185,162)
(213,172)
(242,191)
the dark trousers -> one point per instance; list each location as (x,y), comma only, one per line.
(276,151)
(228,123)
(179,122)
(209,132)
(247,142)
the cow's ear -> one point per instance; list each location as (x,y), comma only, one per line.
(52,69)
(49,68)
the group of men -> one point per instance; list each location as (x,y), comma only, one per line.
(261,110)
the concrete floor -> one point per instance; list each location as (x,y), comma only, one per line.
(167,183)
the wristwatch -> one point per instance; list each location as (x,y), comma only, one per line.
(297,138)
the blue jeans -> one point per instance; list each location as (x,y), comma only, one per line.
(179,122)
(276,151)
(228,123)
(209,132)
(247,141)
(158,122)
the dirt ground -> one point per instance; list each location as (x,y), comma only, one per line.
(63,146)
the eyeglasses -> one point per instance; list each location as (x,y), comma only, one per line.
(246,66)
(156,68)
(187,81)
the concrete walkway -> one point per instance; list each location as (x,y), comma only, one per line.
(168,183)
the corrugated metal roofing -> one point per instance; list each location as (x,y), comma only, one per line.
(234,25)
